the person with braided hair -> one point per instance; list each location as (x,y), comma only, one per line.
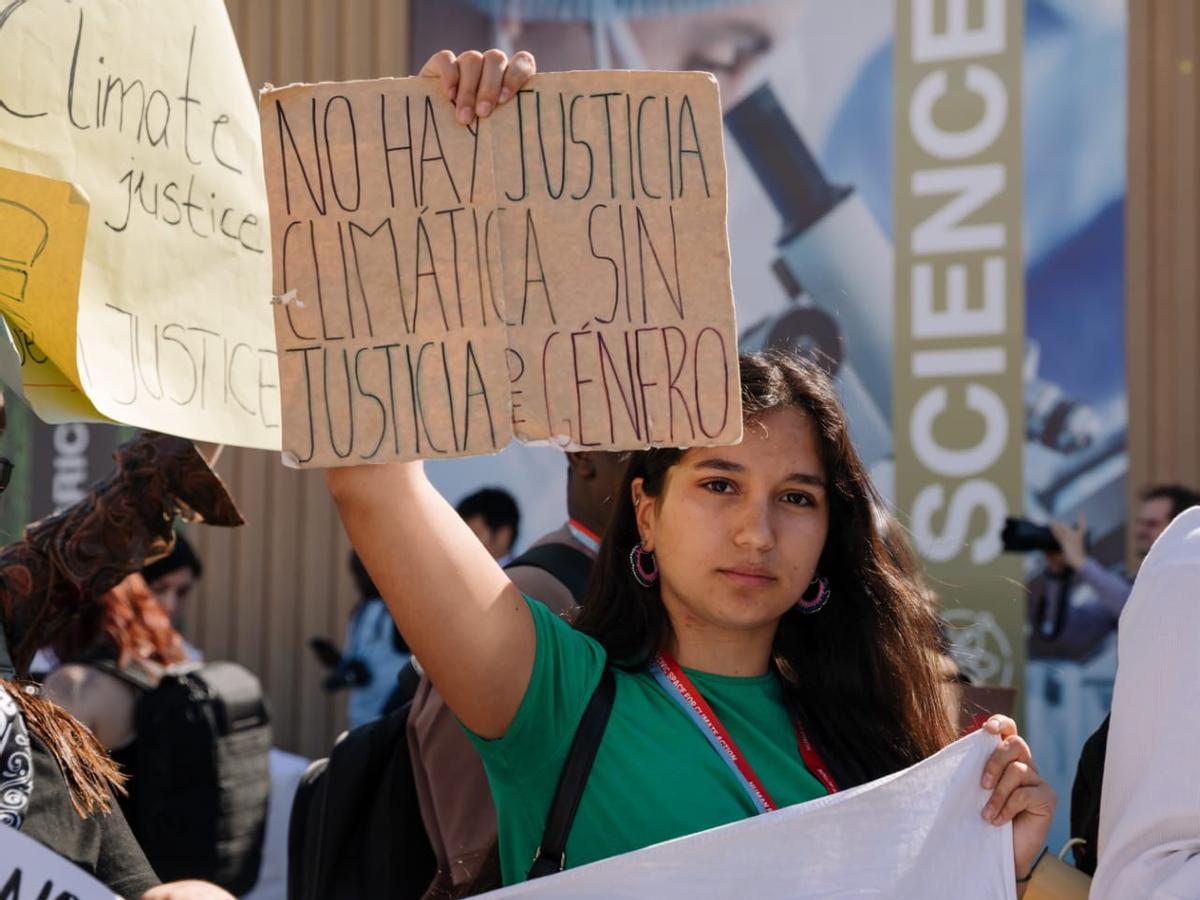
(57,783)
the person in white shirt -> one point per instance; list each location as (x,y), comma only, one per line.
(1150,808)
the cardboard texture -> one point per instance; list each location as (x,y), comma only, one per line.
(558,272)
(146,108)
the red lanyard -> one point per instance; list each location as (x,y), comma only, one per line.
(584,535)
(681,689)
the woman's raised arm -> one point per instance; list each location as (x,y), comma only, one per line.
(457,610)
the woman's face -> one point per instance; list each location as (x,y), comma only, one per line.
(737,531)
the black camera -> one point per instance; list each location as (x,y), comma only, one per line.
(343,672)
(1023,536)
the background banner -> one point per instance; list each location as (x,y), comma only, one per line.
(959,312)
(809,90)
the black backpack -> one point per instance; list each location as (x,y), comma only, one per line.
(1085,799)
(199,768)
(356,829)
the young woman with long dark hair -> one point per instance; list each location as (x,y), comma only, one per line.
(749,581)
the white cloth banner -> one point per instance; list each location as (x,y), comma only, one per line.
(915,834)
(27,869)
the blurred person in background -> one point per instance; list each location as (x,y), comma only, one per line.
(493,515)
(64,790)
(193,739)
(1149,823)
(1161,506)
(1082,599)
(125,628)
(173,580)
(376,652)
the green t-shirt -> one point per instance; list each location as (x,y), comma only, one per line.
(655,777)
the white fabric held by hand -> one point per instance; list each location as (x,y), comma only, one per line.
(917,833)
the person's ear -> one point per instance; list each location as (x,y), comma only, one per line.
(504,536)
(644,511)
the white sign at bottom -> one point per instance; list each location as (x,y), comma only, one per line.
(917,833)
(29,870)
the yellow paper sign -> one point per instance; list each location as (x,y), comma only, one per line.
(145,106)
(43,227)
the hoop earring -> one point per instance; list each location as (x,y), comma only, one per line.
(637,562)
(814,599)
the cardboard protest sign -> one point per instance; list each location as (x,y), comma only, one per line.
(145,107)
(43,226)
(558,271)
(29,870)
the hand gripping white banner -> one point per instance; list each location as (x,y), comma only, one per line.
(915,834)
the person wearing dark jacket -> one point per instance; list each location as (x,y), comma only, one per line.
(64,790)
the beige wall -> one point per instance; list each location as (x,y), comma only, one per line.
(282,579)
(1163,243)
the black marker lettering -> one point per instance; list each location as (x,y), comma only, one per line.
(586,146)
(329,157)
(217,123)
(725,381)
(389,149)
(282,125)
(188,100)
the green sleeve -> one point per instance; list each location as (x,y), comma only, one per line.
(566,669)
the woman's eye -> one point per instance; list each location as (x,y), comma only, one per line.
(719,486)
(798,498)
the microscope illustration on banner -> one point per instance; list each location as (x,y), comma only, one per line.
(835,266)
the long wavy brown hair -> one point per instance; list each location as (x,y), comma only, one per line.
(126,625)
(860,673)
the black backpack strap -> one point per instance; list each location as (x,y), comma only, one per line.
(551,856)
(568,564)
(134,675)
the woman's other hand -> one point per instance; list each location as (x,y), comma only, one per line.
(1019,794)
(476,83)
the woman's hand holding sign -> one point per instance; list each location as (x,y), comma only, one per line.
(479,82)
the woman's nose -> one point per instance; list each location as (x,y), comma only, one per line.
(754,528)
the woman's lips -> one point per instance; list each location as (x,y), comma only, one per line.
(748,576)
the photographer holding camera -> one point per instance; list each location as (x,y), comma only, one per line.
(1056,618)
